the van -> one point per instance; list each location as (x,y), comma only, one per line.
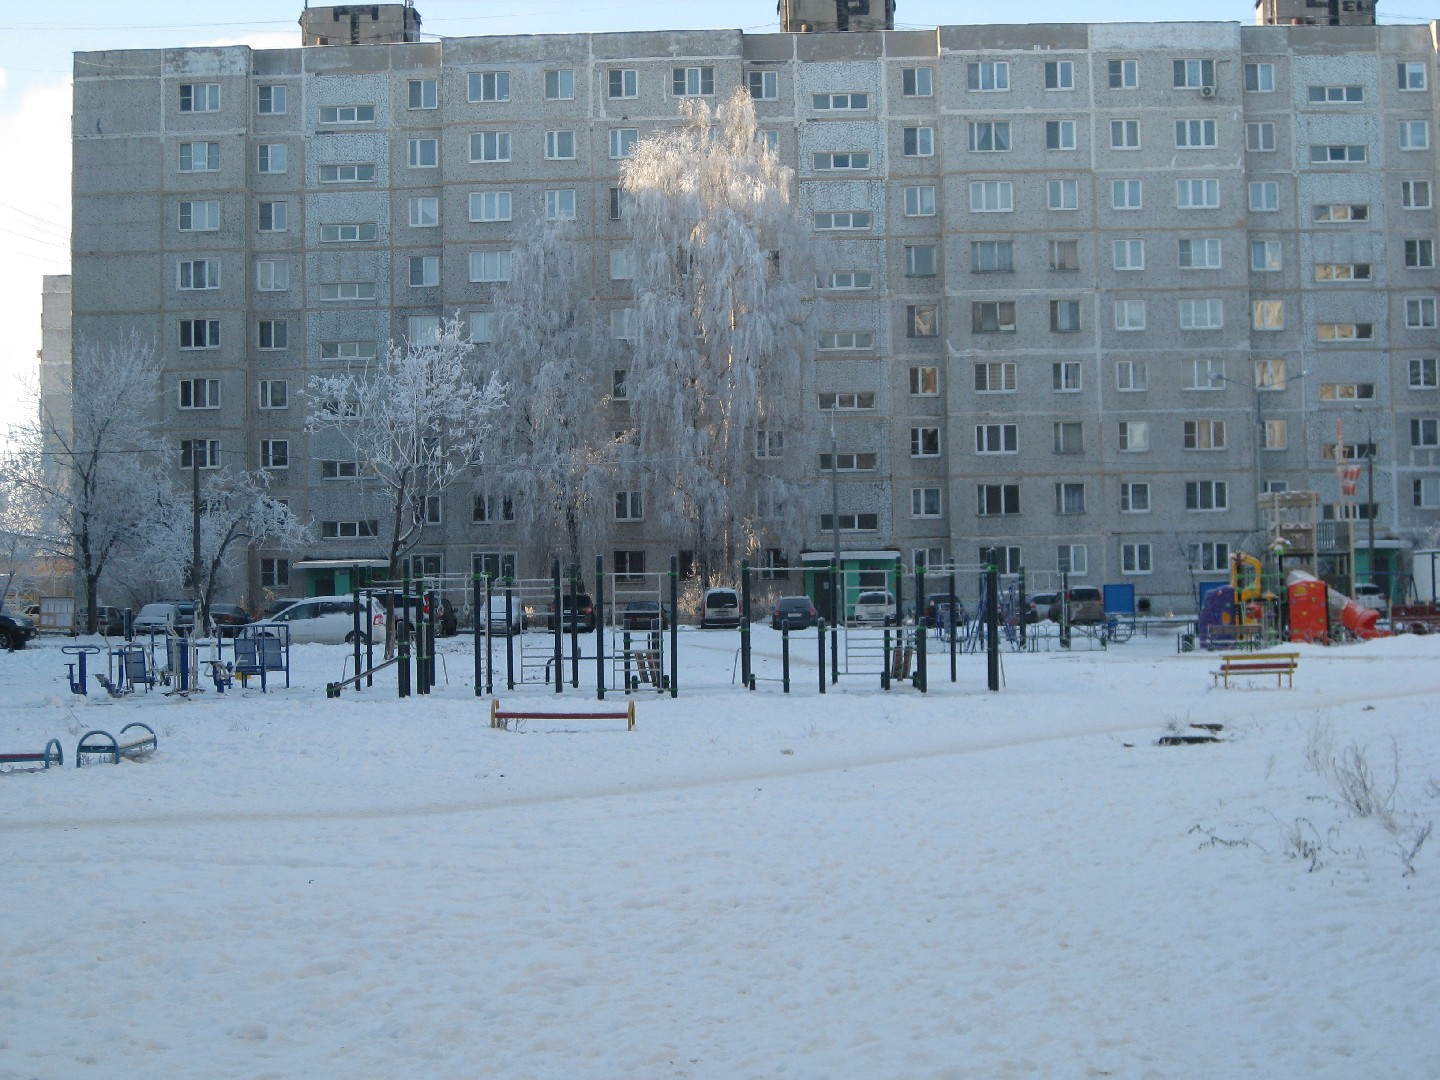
(1087,606)
(719,609)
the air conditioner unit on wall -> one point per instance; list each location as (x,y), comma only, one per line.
(1207,91)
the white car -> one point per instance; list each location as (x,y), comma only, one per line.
(496,623)
(1372,596)
(874,608)
(331,620)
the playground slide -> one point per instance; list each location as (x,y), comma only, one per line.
(1360,621)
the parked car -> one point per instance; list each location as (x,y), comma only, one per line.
(793,613)
(1087,606)
(946,605)
(1038,608)
(719,609)
(176,616)
(331,620)
(110,621)
(228,618)
(447,623)
(577,611)
(1372,596)
(279,604)
(15,630)
(875,607)
(497,623)
(645,615)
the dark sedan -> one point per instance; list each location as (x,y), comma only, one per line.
(793,613)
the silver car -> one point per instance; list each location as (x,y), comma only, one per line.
(874,608)
(331,620)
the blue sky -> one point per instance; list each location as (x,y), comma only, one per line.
(37,42)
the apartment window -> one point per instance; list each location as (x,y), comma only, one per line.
(274,573)
(992,256)
(924,380)
(622,83)
(844,102)
(422,329)
(1065,377)
(1260,137)
(1208,556)
(1340,212)
(560,205)
(1411,75)
(622,141)
(989,135)
(271,275)
(1415,194)
(921,321)
(920,201)
(199,393)
(199,97)
(1206,375)
(271,158)
(1072,559)
(1069,437)
(919,260)
(992,316)
(490,206)
(622,264)
(347,114)
(490,266)
(347,350)
(1194,134)
(847,160)
(988,76)
(1124,74)
(200,453)
(1336,153)
(357,173)
(347,290)
(1420,312)
(560,85)
(1135,559)
(274,394)
(769,444)
(995,377)
(1064,316)
(1273,435)
(629,506)
(490,146)
(764,85)
(560,145)
(1265,255)
(1270,374)
(618,201)
(1069,498)
(1202,314)
(1124,134)
(1062,194)
(1347,391)
(201,216)
(1194,74)
(1259,78)
(424,212)
(492,510)
(991,196)
(851,522)
(199,333)
(1414,135)
(846,341)
(424,271)
(199,156)
(997,438)
(842,220)
(349,530)
(1065,255)
(489,86)
(424,153)
(925,502)
(482,327)
(1204,435)
(275,453)
(271,101)
(1131,376)
(1128,254)
(423,94)
(1342,271)
(1125,194)
(1419,254)
(1135,498)
(846,401)
(1206,495)
(839,280)
(1425,432)
(917,82)
(1267,315)
(1264,196)
(1135,436)
(197,274)
(1197,193)
(1423,373)
(1336,95)
(273,216)
(350,233)
(920,141)
(692,81)
(273,334)
(1426,493)
(1129,315)
(1059,75)
(997,500)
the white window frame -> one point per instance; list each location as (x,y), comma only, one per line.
(1121,191)
(493,205)
(272,158)
(489,147)
(622,142)
(918,141)
(271,99)
(919,200)
(424,271)
(560,84)
(918,82)
(195,394)
(628,83)
(207,160)
(491,265)
(1206,188)
(992,197)
(422,94)
(560,145)
(206,211)
(272,275)
(199,97)
(1129,315)
(424,153)
(273,394)
(424,211)
(347,172)
(488,87)
(560,204)
(1194,316)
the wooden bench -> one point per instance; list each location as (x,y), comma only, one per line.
(1234,665)
(102,744)
(500,718)
(51,755)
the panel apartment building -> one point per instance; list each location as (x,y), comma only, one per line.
(1088,288)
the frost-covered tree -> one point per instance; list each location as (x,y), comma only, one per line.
(92,462)
(415,422)
(552,444)
(723,272)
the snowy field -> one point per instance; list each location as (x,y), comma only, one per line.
(958,884)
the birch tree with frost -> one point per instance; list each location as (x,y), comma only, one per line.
(723,273)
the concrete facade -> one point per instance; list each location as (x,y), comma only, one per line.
(1089,287)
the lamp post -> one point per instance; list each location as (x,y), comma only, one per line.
(836,607)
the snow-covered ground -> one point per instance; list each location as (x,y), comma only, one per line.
(958,884)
